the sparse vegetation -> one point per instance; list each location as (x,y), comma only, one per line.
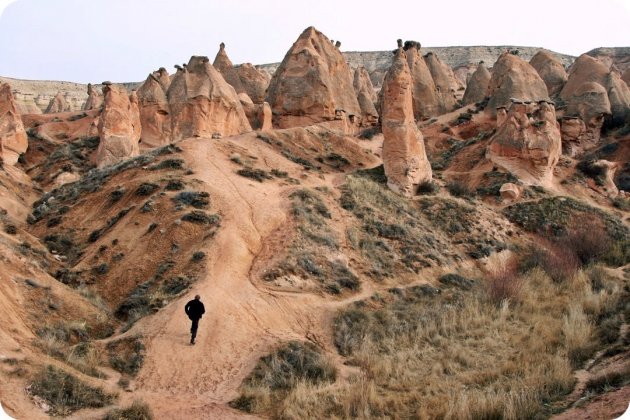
(126,355)
(256,174)
(196,199)
(138,410)
(201,218)
(276,374)
(65,393)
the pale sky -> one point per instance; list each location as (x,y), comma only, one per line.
(124,40)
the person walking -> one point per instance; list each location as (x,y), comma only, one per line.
(195,310)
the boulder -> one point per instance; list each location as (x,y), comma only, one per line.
(426,103)
(445,83)
(528,148)
(365,95)
(585,69)
(608,170)
(513,78)
(94,100)
(510,191)
(312,83)
(119,126)
(404,156)
(477,85)
(551,70)
(154,109)
(203,104)
(58,104)
(13,139)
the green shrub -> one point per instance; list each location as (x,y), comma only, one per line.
(136,411)
(201,218)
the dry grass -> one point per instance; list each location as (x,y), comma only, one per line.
(460,354)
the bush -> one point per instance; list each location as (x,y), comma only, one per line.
(196,199)
(256,174)
(427,187)
(168,164)
(459,189)
(146,188)
(126,355)
(136,411)
(174,185)
(198,256)
(503,285)
(609,380)
(453,279)
(10,229)
(201,218)
(65,393)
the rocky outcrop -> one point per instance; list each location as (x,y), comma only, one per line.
(528,147)
(585,69)
(513,78)
(119,126)
(551,70)
(365,95)
(619,97)
(258,115)
(477,85)
(203,104)
(154,109)
(58,104)
(626,76)
(510,192)
(426,103)
(13,139)
(312,83)
(445,83)
(404,156)
(584,118)
(94,99)
(244,79)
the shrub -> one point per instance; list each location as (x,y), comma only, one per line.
(368,133)
(10,229)
(427,187)
(196,199)
(126,355)
(503,285)
(136,411)
(168,164)
(198,256)
(116,195)
(201,218)
(256,174)
(459,189)
(609,380)
(146,188)
(65,393)
(174,185)
(453,279)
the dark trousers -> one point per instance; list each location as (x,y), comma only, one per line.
(193,328)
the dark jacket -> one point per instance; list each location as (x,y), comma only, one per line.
(195,309)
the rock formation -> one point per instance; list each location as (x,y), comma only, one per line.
(477,85)
(154,109)
(585,69)
(94,100)
(551,70)
(619,97)
(203,104)
(365,95)
(58,104)
(404,156)
(510,191)
(13,139)
(426,103)
(244,79)
(626,76)
(528,147)
(258,115)
(312,83)
(119,126)
(445,83)
(513,78)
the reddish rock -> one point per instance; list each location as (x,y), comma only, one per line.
(626,76)
(551,70)
(13,139)
(365,95)
(619,97)
(154,109)
(404,156)
(529,149)
(119,126)
(253,81)
(585,69)
(58,104)
(513,78)
(312,83)
(258,115)
(203,104)
(426,103)
(94,100)
(445,83)
(509,191)
(477,85)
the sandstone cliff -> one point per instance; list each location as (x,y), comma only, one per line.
(13,140)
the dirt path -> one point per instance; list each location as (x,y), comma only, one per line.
(241,321)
